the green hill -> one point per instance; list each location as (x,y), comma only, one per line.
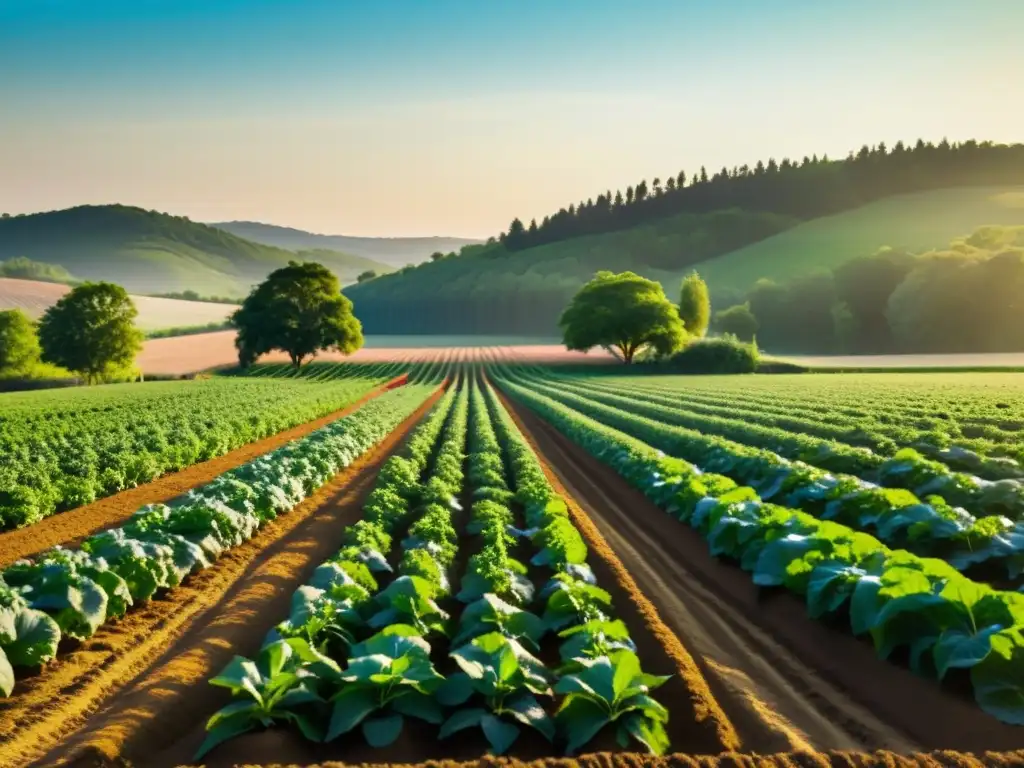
(396,251)
(493,290)
(149,252)
(914,223)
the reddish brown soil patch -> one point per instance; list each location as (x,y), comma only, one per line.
(158,658)
(70,527)
(777,672)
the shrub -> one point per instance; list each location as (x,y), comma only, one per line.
(726,354)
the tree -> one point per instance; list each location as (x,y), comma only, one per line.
(367,275)
(694,305)
(436,256)
(91,330)
(624,312)
(300,310)
(19,345)
(737,320)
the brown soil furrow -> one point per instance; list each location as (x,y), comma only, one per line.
(157,659)
(822,686)
(71,527)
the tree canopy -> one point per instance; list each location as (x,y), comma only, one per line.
(738,321)
(694,305)
(91,330)
(19,346)
(623,312)
(300,310)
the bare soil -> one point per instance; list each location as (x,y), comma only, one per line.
(69,528)
(787,682)
(157,659)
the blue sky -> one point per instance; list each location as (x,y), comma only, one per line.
(453,116)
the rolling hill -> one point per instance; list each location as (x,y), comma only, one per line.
(396,251)
(34,298)
(151,252)
(493,290)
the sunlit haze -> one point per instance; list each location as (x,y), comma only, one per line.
(449,118)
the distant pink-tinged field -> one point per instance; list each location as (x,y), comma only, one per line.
(36,297)
(187,354)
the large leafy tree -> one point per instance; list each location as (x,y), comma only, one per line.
(694,305)
(19,346)
(300,310)
(623,312)
(737,320)
(91,331)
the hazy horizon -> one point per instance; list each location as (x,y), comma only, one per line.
(404,119)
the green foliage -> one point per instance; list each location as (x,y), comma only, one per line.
(369,274)
(694,305)
(625,312)
(91,330)
(722,355)
(736,320)
(26,269)
(298,309)
(19,345)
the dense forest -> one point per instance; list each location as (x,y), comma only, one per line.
(968,297)
(803,189)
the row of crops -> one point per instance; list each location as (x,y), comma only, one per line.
(72,592)
(60,449)
(461,600)
(899,565)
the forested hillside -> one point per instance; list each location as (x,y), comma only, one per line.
(917,198)
(147,251)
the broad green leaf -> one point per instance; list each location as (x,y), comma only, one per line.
(419,705)
(238,675)
(998,682)
(579,719)
(350,707)
(525,708)
(238,710)
(500,734)
(37,638)
(650,733)
(464,718)
(627,668)
(382,731)
(309,728)
(455,690)
(956,648)
(222,733)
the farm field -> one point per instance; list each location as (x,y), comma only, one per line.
(180,355)
(36,297)
(467,552)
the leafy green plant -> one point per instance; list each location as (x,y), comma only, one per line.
(492,614)
(507,678)
(409,600)
(389,677)
(612,689)
(277,687)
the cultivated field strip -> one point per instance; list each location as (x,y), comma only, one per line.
(989,548)
(61,449)
(70,593)
(460,615)
(948,625)
(981,412)
(906,469)
(947,444)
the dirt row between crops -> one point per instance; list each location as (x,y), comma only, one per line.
(69,528)
(780,675)
(140,682)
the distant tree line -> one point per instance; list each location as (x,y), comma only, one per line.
(27,269)
(964,298)
(805,188)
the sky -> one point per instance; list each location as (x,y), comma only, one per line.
(451,117)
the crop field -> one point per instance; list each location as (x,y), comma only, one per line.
(180,355)
(36,297)
(445,556)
